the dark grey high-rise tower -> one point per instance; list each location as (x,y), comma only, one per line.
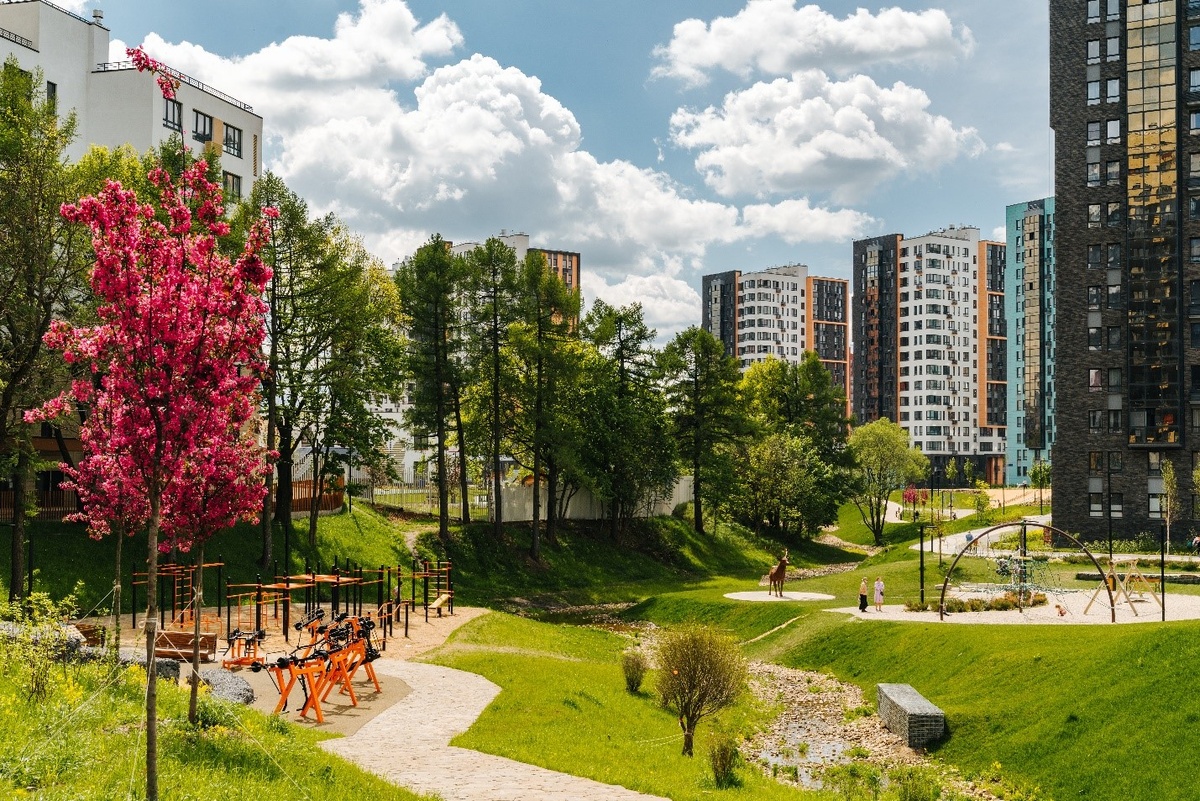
(1125,108)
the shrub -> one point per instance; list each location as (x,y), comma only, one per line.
(912,783)
(700,672)
(955,605)
(37,637)
(853,781)
(724,757)
(634,664)
(915,606)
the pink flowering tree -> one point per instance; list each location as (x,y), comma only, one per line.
(174,364)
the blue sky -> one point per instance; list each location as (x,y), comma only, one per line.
(663,140)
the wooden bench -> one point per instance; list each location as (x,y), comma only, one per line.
(179,645)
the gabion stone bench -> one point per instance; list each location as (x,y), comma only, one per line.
(907,713)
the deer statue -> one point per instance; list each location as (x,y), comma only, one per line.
(777,575)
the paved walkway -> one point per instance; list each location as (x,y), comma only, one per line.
(408,744)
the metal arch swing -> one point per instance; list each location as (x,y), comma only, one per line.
(1024,524)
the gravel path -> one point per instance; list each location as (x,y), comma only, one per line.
(408,744)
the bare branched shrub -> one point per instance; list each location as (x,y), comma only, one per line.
(700,672)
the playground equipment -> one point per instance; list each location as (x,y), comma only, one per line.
(1021,567)
(1123,583)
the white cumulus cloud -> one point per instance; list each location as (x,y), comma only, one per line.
(373,124)
(811,134)
(774,37)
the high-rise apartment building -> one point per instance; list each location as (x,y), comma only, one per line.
(1029,308)
(1125,108)
(779,313)
(564,263)
(930,343)
(115,104)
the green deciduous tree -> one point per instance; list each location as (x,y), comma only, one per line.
(43,272)
(1039,479)
(1171,502)
(884,462)
(802,399)
(785,483)
(707,416)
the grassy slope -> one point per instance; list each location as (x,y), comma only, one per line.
(564,706)
(86,743)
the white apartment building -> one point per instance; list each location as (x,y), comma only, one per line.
(942,345)
(772,312)
(115,104)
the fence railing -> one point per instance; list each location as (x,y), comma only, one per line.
(53,505)
(114,66)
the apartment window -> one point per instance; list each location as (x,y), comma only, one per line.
(1112,173)
(1095,257)
(1194,249)
(1194,80)
(233,141)
(1114,9)
(1093,51)
(1112,90)
(1096,461)
(1114,379)
(1154,463)
(52,95)
(1114,256)
(1096,504)
(1194,208)
(1114,336)
(1114,421)
(1093,133)
(1095,421)
(1195,341)
(1156,506)
(172,114)
(202,127)
(1113,48)
(232,184)
(1115,298)
(1095,378)
(1093,93)
(1093,10)
(1112,215)
(1094,294)
(1093,173)
(1116,504)
(1194,37)
(1093,215)
(1113,131)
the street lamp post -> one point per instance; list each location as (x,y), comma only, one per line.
(1108,502)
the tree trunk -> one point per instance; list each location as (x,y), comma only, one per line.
(20,479)
(198,595)
(318,490)
(463,484)
(697,514)
(151,636)
(442,489)
(689,735)
(535,545)
(269,480)
(284,491)
(115,647)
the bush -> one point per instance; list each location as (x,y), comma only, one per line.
(912,783)
(634,664)
(915,606)
(700,672)
(724,757)
(853,781)
(36,639)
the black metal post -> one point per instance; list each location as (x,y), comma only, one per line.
(287,548)
(258,604)
(29,553)
(1108,500)
(921,529)
(220,570)
(287,607)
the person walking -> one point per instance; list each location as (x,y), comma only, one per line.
(879,594)
(862,595)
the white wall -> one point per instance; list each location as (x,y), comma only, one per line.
(517,503)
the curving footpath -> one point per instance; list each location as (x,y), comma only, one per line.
(408,744)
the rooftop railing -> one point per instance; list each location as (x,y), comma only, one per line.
(113,66)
